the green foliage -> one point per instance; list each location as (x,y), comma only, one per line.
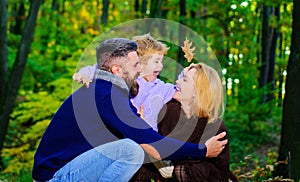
(253,150)
(246,140)
(19,159)
(29,121)
(23,177)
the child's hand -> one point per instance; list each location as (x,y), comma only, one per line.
(141,111)
(177,96)
(81,78)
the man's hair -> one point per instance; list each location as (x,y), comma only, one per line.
(147,46)
(111,49)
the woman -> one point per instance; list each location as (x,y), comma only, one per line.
(194,117)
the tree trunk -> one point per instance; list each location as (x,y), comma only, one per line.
(104,17)
(155,9)
(180,54)
(182,8)
(144,7)
(264,69)
(290,140)
(258,36)
(3,52)
(98,22)
(281,67)
(273,47)
(280,70)
(13,84)
(136,5)
(55,5)
(17,28)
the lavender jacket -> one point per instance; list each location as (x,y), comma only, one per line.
(153,95)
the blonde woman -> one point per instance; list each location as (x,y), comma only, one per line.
(195,117)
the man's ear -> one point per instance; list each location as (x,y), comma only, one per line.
(115,69)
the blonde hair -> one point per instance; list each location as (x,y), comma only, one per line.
(147,46)
(209,102)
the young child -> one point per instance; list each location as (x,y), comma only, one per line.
(153,93)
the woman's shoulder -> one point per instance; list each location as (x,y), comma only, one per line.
(222,125)
(172,107)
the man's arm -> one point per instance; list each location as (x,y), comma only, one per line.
(213,145)
(151,151)
(117,114)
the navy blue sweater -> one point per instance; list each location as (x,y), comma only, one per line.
(96,115)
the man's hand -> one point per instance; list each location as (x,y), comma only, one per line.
(151,151)
(214,146)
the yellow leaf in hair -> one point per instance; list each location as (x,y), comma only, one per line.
(188,50)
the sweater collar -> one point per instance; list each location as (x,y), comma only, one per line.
(154,82)
(107,76)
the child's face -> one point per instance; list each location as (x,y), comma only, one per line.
(151,70)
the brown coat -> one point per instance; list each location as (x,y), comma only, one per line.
(172,122)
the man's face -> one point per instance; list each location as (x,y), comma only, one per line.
(131,69)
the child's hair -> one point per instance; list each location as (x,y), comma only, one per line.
(147,46)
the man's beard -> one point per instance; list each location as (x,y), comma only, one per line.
(134,89)
(133,86)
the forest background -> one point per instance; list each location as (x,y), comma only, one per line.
(257,43)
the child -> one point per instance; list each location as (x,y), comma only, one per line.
(153,93)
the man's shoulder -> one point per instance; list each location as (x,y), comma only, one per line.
(97,87)
(102,84)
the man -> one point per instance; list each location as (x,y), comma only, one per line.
(94,134)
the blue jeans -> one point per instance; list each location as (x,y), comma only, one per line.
(114,161)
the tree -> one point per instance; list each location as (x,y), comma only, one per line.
(273,48)
(155,9)
(19,14)
(265,64)
(182,20)
(289,145)
(11,80)
(144,7)
(104,17)
(3,49)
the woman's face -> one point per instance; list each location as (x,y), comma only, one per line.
(185,85)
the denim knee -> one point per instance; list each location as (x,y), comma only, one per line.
(136,151)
